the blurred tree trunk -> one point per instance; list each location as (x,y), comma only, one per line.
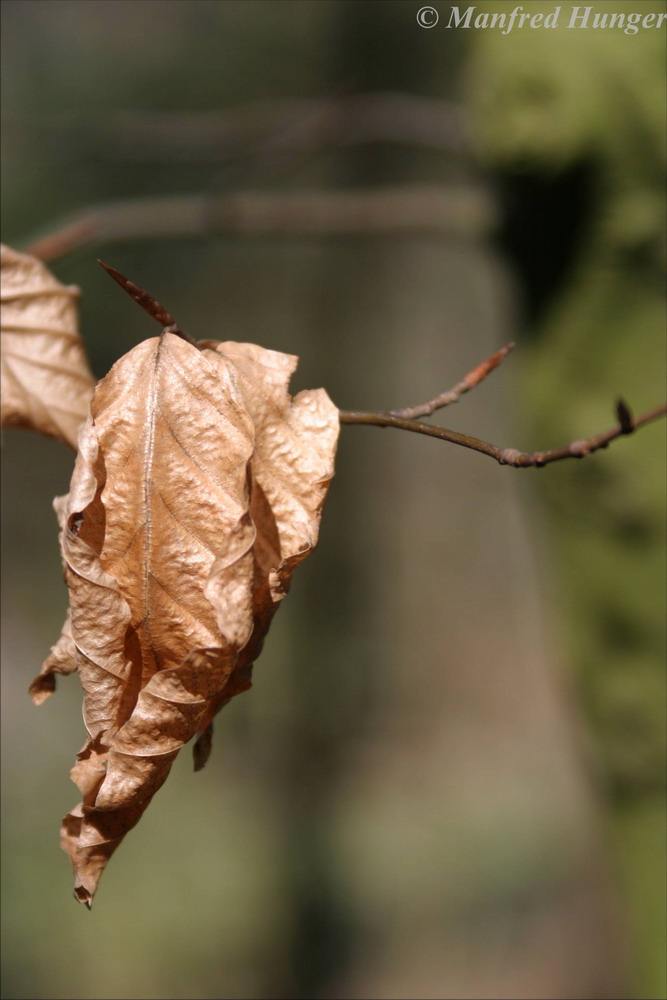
(445,842)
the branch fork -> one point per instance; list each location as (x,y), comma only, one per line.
(407,418)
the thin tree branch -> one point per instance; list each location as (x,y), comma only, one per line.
(460,209)
(472,379)
(511,456)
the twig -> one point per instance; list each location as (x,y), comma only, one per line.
(472,379)
(403,419)
(147,302)
(510,456)
(461,209)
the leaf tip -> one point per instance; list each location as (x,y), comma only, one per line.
(42,688)
(83,895)
(201,750)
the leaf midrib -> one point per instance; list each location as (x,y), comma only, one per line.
(149,455)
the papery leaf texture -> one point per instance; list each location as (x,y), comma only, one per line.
(46,382)
(198,488)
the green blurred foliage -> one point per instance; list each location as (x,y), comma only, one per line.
(545,105)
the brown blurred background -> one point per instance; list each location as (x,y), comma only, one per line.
(448,780)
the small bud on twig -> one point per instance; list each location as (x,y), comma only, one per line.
(147,302)
(624,415)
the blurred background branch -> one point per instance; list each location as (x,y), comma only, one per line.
(411,210)
(266,127)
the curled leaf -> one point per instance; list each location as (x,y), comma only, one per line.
(198,488)
(46,382)
(62,660)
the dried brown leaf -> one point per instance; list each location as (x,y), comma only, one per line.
(46,382)
(62,660)
(197,489)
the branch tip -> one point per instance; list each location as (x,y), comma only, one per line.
(141,297)
(485,368)
(473,378)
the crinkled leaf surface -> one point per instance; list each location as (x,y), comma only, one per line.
(198,488)
(46,382)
